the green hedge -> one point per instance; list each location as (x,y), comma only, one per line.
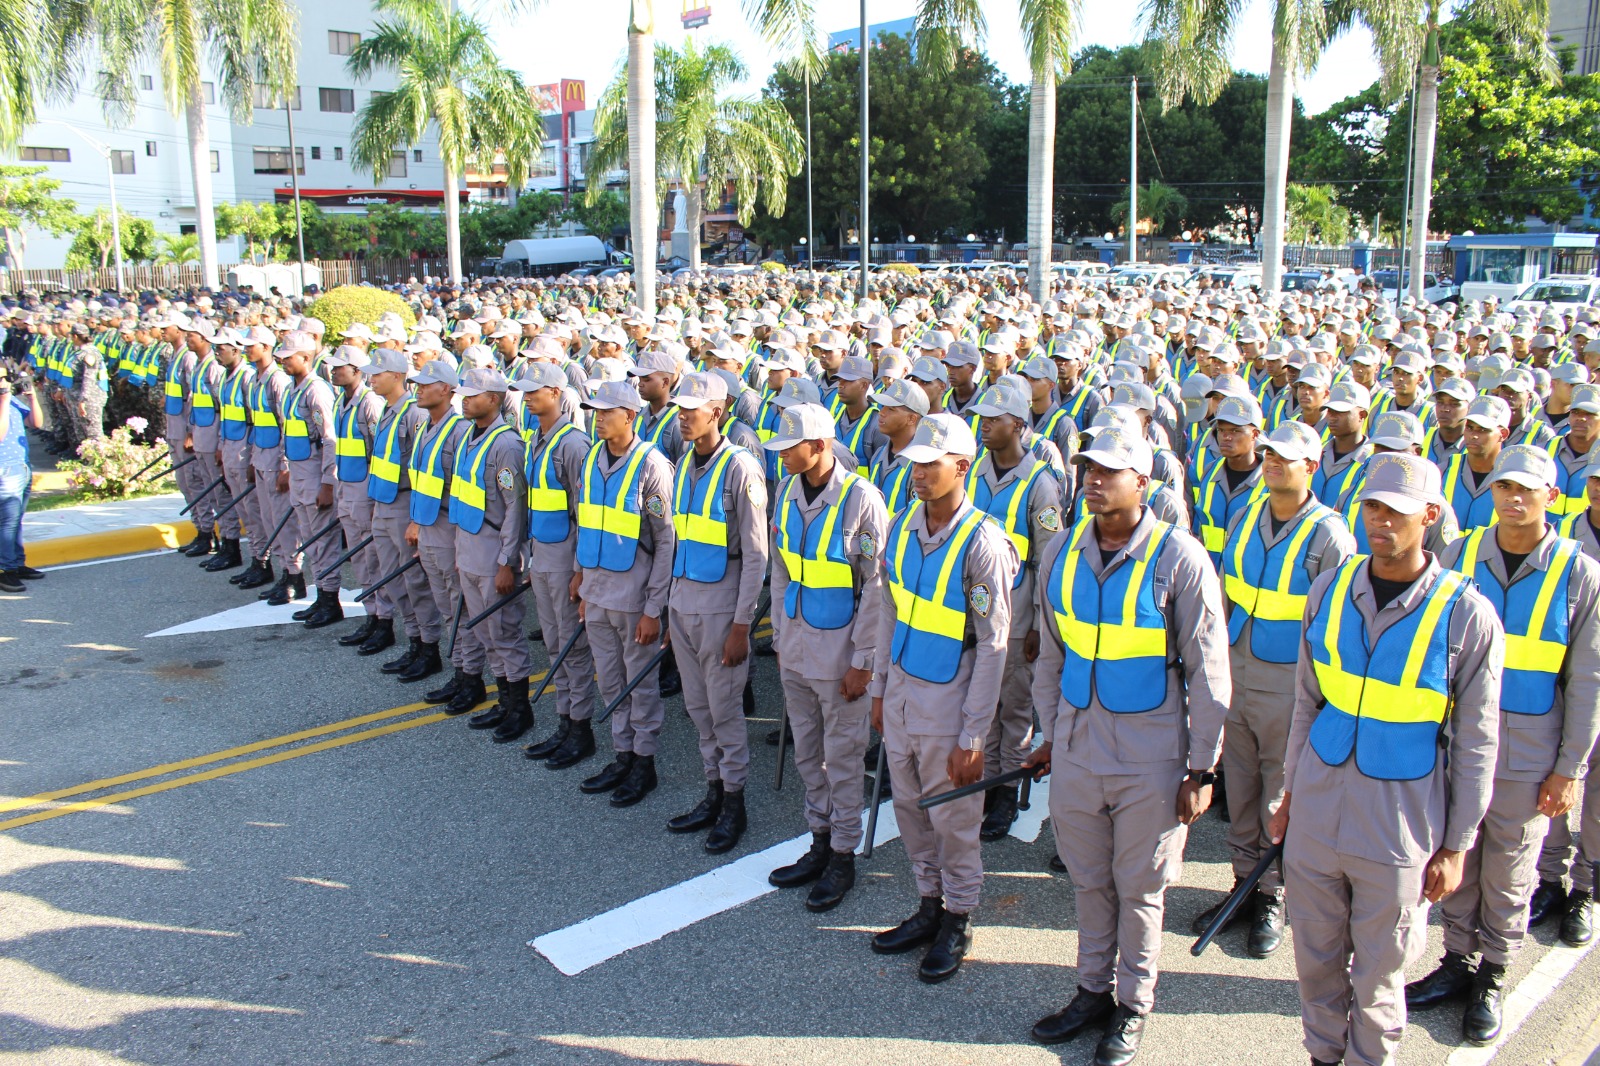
(341,308)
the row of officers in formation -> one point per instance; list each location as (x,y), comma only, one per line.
(1339,567)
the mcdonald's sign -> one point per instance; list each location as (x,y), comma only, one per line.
(572,95)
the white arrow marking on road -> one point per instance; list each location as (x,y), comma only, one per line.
(1030,822)
(259,614)
(649,918)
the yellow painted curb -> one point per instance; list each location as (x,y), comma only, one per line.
(54,551)
(50,481)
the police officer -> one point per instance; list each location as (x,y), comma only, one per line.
(624,559)
(355,420)
(1020,492)
(267,462)
(943,628)
(233,453)
(1389,768)
(488,506)
(1275,549)
(1345,417)
(1570,452)
(389,489)
(902,405)
(1233,484)
(308,435)
(90,385)
(828,527)
(1135,704)
(856,416)
(657,372)
(719,513)
(1544,589)
(201,415)
(1467,477)
(554,475)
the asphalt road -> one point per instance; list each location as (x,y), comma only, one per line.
(366,894)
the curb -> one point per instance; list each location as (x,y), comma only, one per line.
(56,551)
(49,481)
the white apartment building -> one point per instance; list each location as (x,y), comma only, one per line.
(150,155)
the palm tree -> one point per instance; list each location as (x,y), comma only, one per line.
(29,69)
(249,43)
(1162,204)
(789,29)
(1049,29)
(1194,40)
(698,131)
(1405,34)
(178,249)
(449,78)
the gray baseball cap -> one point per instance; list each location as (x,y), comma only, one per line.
(480,380)
(1240,411)
(536,376)
(902,393)
(1586,397)
(940,435)
(436,372)
(1571,373)
(1405,482)
(996,401)
(1118,448)
(962,353)
(926,368)
(1039,368)
(1365,354)
(387,361)
(1135,394)
(652,362)
(1517,379)
(610,395)
(797,391)
(1293,440)
(1460,388)
(1409,360)
(1490,412)
(855,368)
(803,421)
(1229,385)
(1348,396)
(1398,430)
(1316,375)
(697,390)
(1525,465)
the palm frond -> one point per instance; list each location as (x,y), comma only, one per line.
(1049,32)
(944,27)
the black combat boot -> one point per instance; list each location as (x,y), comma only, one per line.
(469,693)
(1547,900)
(1001,813)
(398,666)
(1121,1042)
(943,960)
(578,746)
(260,575)
(381,638)
(1480,1023)
(1266,931)
(359,635)
(1577,924)
(808,867)
(610,777)
(544,748)
(426,664)
(289,587)
(731,824)
(915,931)
(490,717)
(447,691)
(228,558)
(837,880)
(703,816)
(639,783)
(200,545)
(1087,1010)
(326,611)
(519,714)
(1450,979)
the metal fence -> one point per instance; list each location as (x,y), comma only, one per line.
(139,277)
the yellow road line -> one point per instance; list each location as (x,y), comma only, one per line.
(222,771)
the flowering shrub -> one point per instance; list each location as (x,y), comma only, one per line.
(105,467)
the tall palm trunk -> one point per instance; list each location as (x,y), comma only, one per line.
(1041,181)
(642,208)
(1422,170)
(452,222)
(695,200)
(205,221)
(1280,116)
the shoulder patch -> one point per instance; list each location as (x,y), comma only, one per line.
(656,505)
(1050,518)
(505,479)
(981,600)
(864,541)
(756,489)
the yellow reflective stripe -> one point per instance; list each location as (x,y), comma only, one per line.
(933,616)
(354,446)
(1338,688)
(608,518)
(1531,651)
(470,489)
(1018,498)
(384,469)
(233,412)
(699,525)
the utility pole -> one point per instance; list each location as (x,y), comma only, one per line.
(294,180)
(811,233)
(865,229)
(111,186)
(1133,170)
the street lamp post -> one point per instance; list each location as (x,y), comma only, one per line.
(294,179)
(111,186)
(865,228)
(809,242)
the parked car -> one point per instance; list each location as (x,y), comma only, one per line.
(1435,289)
(1564,290)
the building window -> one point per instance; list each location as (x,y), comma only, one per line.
(266,99)
(208,89)
(121,161)
(216,161)
(397,165)
(338,155)
(416,155)
(46,155)
(341,43)
(340,100)
(150,148)
(146,82)
(316,153)
(276,160)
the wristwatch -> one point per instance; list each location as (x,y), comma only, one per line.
(1202,777)
(975,744)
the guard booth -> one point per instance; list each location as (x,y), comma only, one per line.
(1503,264)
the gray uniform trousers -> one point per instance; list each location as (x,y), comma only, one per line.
(1009,737)
(1256,735)
(205,512)
(439,567)
(246,515)
(636,725)
(273,506)
(407,595)
(1122,842)
(1357,925)
(501,639)
(558,617)
(830,741)
(350,499)
(320,555)
(1556,856)
(713,694)
(942,842)
(185,477)
(1490,909)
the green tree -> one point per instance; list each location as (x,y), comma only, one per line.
(1163,205)
(450,79)
(603,217)
(248,43)
(1314,214)
(29,201)
(30,64)
(94,243)
(266,227)
(179,248)
(703,135)
(333,236)
(998,207)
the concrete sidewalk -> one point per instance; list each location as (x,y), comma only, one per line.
(99,530)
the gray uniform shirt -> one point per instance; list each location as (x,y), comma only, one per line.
(1187,726)
(441,533)
(964,706)
(644,587)
(825,654)
(1402,823)
(505,506)
(744,501)
(206,438)
(1044,522)
(405,435)
(567,464)
(670,443)
(316,409)
(1534,745)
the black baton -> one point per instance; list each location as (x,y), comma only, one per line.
(560,658)
(877,797)
(376,585)
(522,587)
(455,627)
(202,494)
(147,466)
(323,532)
(287,514)
(248,490)
(173,468)
(655,661)
(976,787)
(1237,898)
(347,556)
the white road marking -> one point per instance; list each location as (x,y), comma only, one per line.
(1030,822)
(649,918)
(113,559)
(258,613)
(1546,975)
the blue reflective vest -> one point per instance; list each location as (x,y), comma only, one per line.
(235,411)
(202,405)
(1009,507)
(930,597)
(1268,587)
(264,430)
(425,468)
(821,588)
(296,432)
(549,507)
(468,492)
(383,477)
(700,519)
(349,443)
(1472,510)
(608,511)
